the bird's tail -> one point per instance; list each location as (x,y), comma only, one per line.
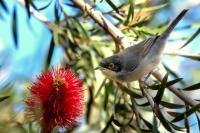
(167,32)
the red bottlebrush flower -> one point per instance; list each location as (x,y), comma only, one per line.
(56,99)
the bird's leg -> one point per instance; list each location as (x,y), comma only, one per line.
(142,86)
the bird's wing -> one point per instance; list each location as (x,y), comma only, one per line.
(133,55)
(147,45)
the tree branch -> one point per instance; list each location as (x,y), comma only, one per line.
(97,16)
(158,75)
(122,39)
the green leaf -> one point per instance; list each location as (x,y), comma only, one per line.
(143,104)
(153,8)
(56,12)
(3,98)
(89,104)
(177,128)
(130,92)
(112,5)
(108,88)
(101,86)
(173,114)
(161,90)
(162,119)
(27,5)
(192,87)
(3,5)
(191,38)
(14,27)
(168,84)
(44,7)
(198,120)
(80,28)
(155,125)
(171,105)
(187,113)
(174,74)
(130,12)
(108,124)
(50,53)
(186,122)
(147,123)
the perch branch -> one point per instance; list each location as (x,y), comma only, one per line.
(97,16)
(120,37)
(136,112)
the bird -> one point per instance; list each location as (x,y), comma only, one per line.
(136,61)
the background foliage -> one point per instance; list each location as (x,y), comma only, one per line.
(76,40)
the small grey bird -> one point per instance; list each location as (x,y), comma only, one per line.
(136,61)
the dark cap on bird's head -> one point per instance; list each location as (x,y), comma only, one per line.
(112,63)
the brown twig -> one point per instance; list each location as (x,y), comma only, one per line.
(146,94)
(135,111)
(97,16)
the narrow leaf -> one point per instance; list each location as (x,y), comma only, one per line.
(101,86)
(130,12)
(173,114)
(56,12)
(187,113)
(152,8)
(177,128)
(198,120)
(112,5)
(155,125)
(171,105)
(89,105)
(191,38)
(174,74)
(108,88)
(186,122)
(143,104)
(44,7)
(161,90)
(168,84)
(50,53)
(14,27)
(3,5)
(130,92)
(3,98)
(27,5)
(80,28)
(147,123)
(108,124)
(162,119)
(192,87)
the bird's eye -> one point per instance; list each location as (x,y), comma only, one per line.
(111,65)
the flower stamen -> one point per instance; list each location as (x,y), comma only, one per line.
(58,83)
